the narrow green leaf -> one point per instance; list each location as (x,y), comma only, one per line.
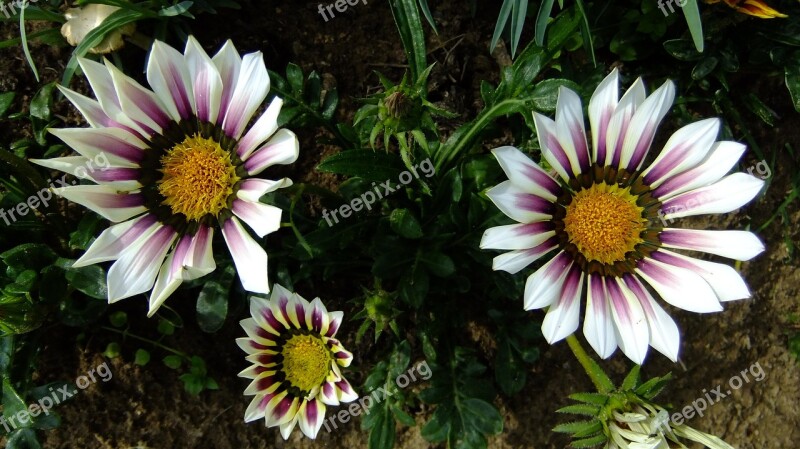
(542,18)
(692,13)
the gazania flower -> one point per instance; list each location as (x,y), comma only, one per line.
(180,166)
(604,218)
(82,20)
(755,8)
(296,358)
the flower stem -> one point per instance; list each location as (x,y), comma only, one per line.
(125,333)
(599,378)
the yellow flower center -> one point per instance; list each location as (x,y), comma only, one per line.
(604,222)
(198,177)
(306,361)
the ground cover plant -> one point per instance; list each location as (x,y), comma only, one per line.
(403,223)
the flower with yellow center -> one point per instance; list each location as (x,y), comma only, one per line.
(606,215)
(178,165)
(296,360)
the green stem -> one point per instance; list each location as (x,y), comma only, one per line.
(593,370)
(125,333)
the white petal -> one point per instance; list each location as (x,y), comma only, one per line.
(136,270)
(283,148)
(169,77)
(526,174)
(719,161)
(679,286)
(630,323)
(262,218)
(115,239)
(514,261)
(103,88)
(520,205)
(731,193)
(723,279)
(739,245)
(138,103)
(562,319)
(264,127)
(119,147)
(639,135)
(598,325)
(106,201)
(551,147)
(621,120)
(544,286)
(601,109)
(228,63)
(312,414)
(684,150)
(253,189)
(251,89)
(206,81)
(517,236)
(571,130)
(248,256)
(93,112)
(664,335)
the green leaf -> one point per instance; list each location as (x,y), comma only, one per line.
(545,94)
(177,10)
(173,361)
(294,74)
(517,22)
(24,438)
(579,428)
(366,164)
(682,50)
(405,224)
(414,286)
(792,78)
(142,357)
(212,303)
(482,416)
(589,442)
(89,280)
(426,11)
(542,18)
(631,380)
(580,409)
(509,371)
(502,20)
(590,398)
(6,99)
(409,24)
(165,327)
(29,255)
(112,350)
(438,263)
(704,67)
(382,433)
(118,319)
(403,417)
(692,13)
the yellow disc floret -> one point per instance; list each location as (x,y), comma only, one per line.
(306,361)
(604,222)
(198,177)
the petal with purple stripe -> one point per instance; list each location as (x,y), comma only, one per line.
(571,130)
(520,205)
(723,279)
(562,319)
(598,325)
(544,286)
(731,193)
(312,413)
(169,77)
(249,257)
(642,129)
(514,261)
(630,322)
(684,150)
(621,120)
(106,201)
(335,322)
(265,126)
(119,147)
(206,81)
(253,189)
(262,218)
(664,335)
(601,109)
(517,236)
(551,147)
(282,409)
(115,239)
(257,407)
(251,88)
(739,245)
(282,149)
(229,64)
(526,174)
(317,317)
(136,270)
(719,161)
(678,286)
(94,114)
(138,103)
(328,394)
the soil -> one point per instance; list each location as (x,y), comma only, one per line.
(146,407)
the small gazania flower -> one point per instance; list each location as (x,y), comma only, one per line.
(296,362)
(179,166)
(84,19)
(755,8)
(606,214)
(649,427)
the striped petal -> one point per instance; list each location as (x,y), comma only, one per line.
(119,147)
(727,284)
(106,201)
(206,81)
(684,150)
(283,148)
(719,161)
(93,112)
(731,193)
(136,270)
(251,88)
(526,174)
(520,205)
(571,130)
(517,236)
(316,317)
(544,286)
(598,324)
(621,120)
(642,129)
(678,286)
(328,393)
(249,257)
(345,391)
(514,261)
(630,322)
(139,104)
(552,150)
(664,335)
(229,64)
(115,239)
(281,409)
(601,109)
(254,188)
(335,319)
(739,245)
(169,77)
(257,407)
(562,319)
(262,218)
(264,127)
(312,413)
(261,312)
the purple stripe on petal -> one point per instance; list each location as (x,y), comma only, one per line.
(300,311)
(579,140)
(201,89)
(342,355)
(345,387)
(533,203)
(571,284)
(258,346)
(642,147)
(557,151)
(619,302)
(271,320)
(265,383)
(149,107)
(116,174)
(283,302)
(535,228)
(266,359)
(312,411)
(121,200)
(179,255)
(283,407)
(316,319)
(659,274)
(328,390)
(542,179)
(641,294)
(333,327)
(178,91)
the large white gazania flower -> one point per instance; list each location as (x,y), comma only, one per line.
(296,358)
(606,216)
(179,166)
